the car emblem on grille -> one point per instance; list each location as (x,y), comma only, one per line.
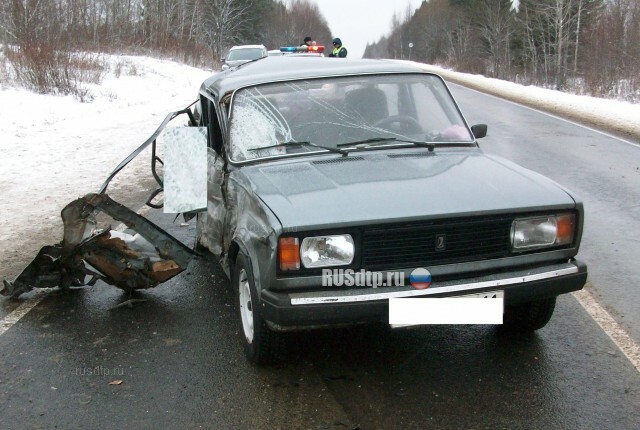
(441,242)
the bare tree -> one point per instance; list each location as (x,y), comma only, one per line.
(42,35)
(222,22)
(496,24)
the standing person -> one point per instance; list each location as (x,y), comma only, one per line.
(338,50)
(308,41)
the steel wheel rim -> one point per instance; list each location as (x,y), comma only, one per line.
(246,310)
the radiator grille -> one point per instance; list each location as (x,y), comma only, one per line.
(415,244)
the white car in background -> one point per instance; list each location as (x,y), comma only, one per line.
(242,54)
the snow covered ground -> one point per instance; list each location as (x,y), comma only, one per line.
(55,149)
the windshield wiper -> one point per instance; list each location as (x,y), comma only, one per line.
(304,143)
(427,145)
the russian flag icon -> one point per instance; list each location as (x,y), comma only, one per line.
(420,278)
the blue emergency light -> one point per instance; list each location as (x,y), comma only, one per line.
(312,49)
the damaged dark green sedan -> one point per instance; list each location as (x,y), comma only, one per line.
(320,171)
(333,188)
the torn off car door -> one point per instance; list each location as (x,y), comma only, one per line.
(142,256)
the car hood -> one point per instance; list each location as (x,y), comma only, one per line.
(391,186)
(234,63)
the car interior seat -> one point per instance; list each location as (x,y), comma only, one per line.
(367,103)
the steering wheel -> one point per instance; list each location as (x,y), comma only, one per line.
(413,126)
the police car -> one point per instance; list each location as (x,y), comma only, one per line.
(242,54)
(312,50)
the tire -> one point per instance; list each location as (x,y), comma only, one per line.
(261,345)
(528,317)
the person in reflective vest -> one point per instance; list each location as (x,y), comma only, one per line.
(338,50)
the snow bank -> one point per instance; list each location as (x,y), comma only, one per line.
(619,118)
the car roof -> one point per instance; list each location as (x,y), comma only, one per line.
(247,47)
(288,67)
(304,54)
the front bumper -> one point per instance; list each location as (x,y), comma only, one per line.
(335,307)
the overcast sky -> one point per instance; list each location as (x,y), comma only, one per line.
(358,22)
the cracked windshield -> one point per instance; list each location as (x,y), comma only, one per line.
(294,117)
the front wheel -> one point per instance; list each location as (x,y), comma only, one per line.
(528,317)
(261,344)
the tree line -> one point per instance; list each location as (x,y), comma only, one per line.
(43,38)
(575,45)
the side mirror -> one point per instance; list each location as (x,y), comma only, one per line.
(223,60)
(479,130)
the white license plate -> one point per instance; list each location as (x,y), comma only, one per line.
(477,308)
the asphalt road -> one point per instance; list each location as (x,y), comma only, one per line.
(181,365)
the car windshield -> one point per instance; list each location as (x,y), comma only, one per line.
(334,112)
(245,54)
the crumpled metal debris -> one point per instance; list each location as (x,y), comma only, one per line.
(129,261)
(135,261)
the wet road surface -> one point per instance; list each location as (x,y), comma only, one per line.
(182,366)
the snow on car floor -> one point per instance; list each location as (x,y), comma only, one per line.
(55,149)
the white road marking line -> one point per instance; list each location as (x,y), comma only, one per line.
(15,316)
(606,322)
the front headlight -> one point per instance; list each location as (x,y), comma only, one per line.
(542,231)
(323,251)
